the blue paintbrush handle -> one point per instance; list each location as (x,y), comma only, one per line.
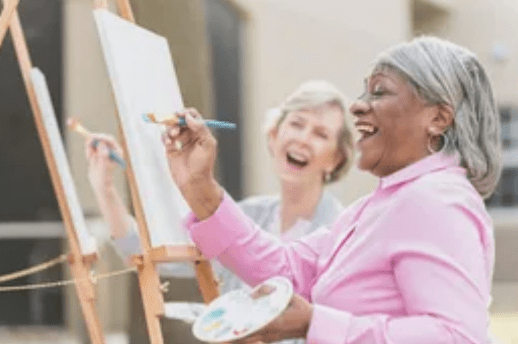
(210,123)
(112,155)
(220,124)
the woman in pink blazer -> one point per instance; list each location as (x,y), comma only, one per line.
(410,263)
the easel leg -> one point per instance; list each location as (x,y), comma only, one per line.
(86,293)
(80,269)
(5,17)
(125,10)
(207,280)
(152,299)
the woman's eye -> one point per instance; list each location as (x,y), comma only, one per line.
(322,135)
(296,124)
(378,92)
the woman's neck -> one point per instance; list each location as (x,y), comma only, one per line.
(298,200)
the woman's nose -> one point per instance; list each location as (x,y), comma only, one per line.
(304,134)
(359,106)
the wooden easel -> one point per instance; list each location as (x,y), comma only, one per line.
(79,264)
(150,288)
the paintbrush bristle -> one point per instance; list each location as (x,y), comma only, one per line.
(72,123)
(149,117)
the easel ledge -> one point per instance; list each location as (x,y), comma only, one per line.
(209,286)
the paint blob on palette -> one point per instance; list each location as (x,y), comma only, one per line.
(242,312)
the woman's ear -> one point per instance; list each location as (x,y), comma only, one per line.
(339,160)
(272,138)
(443,117)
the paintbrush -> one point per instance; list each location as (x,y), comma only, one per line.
(74,125)
(174,120)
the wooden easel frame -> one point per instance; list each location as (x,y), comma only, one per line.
(149,282)
(79,264)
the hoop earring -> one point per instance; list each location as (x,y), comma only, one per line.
(327,177)
(444,143)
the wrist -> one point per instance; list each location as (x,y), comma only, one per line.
(204,195)
(105,194)
(307,323)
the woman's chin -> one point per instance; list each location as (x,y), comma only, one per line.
(365,164)
(293,177)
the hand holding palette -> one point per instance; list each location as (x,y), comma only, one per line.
(240,313)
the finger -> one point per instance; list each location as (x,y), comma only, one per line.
(178,145)
(169,143)
(194,113)
(104,151)
(89,144)
(263,290)
(107,140)
(173,130)
(194,121)
(89,150)
(171,146)
(166,139)
(112,143)
(196,125)
(183,135)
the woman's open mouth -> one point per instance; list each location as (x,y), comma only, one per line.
(296,160)
(366,131)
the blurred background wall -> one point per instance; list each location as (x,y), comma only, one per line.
(236,59)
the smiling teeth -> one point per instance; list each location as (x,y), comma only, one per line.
(366,128)
(296,156)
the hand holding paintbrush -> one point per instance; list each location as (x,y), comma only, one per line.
(74,124)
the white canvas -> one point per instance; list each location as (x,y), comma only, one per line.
(86,241)
(144,80)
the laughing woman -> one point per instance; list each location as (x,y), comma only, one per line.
(311,143)
(411,263)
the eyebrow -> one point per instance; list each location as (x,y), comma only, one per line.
(298,116)
(385,74)
(323,129)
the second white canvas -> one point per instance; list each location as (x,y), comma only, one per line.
(86,241)
(144,81)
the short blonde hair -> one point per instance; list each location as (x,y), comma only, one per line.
(312,95)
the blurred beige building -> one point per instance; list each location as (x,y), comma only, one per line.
(283,43)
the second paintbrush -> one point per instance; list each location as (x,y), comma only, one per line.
(76,126)
(173,120)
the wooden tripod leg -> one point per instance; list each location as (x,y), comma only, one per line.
(152,299)
(86,294)
(79,267)
(5,17)
(207,281)
(125,10)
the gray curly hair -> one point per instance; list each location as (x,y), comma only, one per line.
(444,73)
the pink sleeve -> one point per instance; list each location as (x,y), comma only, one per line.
(439,267)
(253,254)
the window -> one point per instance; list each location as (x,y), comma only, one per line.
(506,193)
(224,30)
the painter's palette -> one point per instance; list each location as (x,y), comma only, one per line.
(240,313)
